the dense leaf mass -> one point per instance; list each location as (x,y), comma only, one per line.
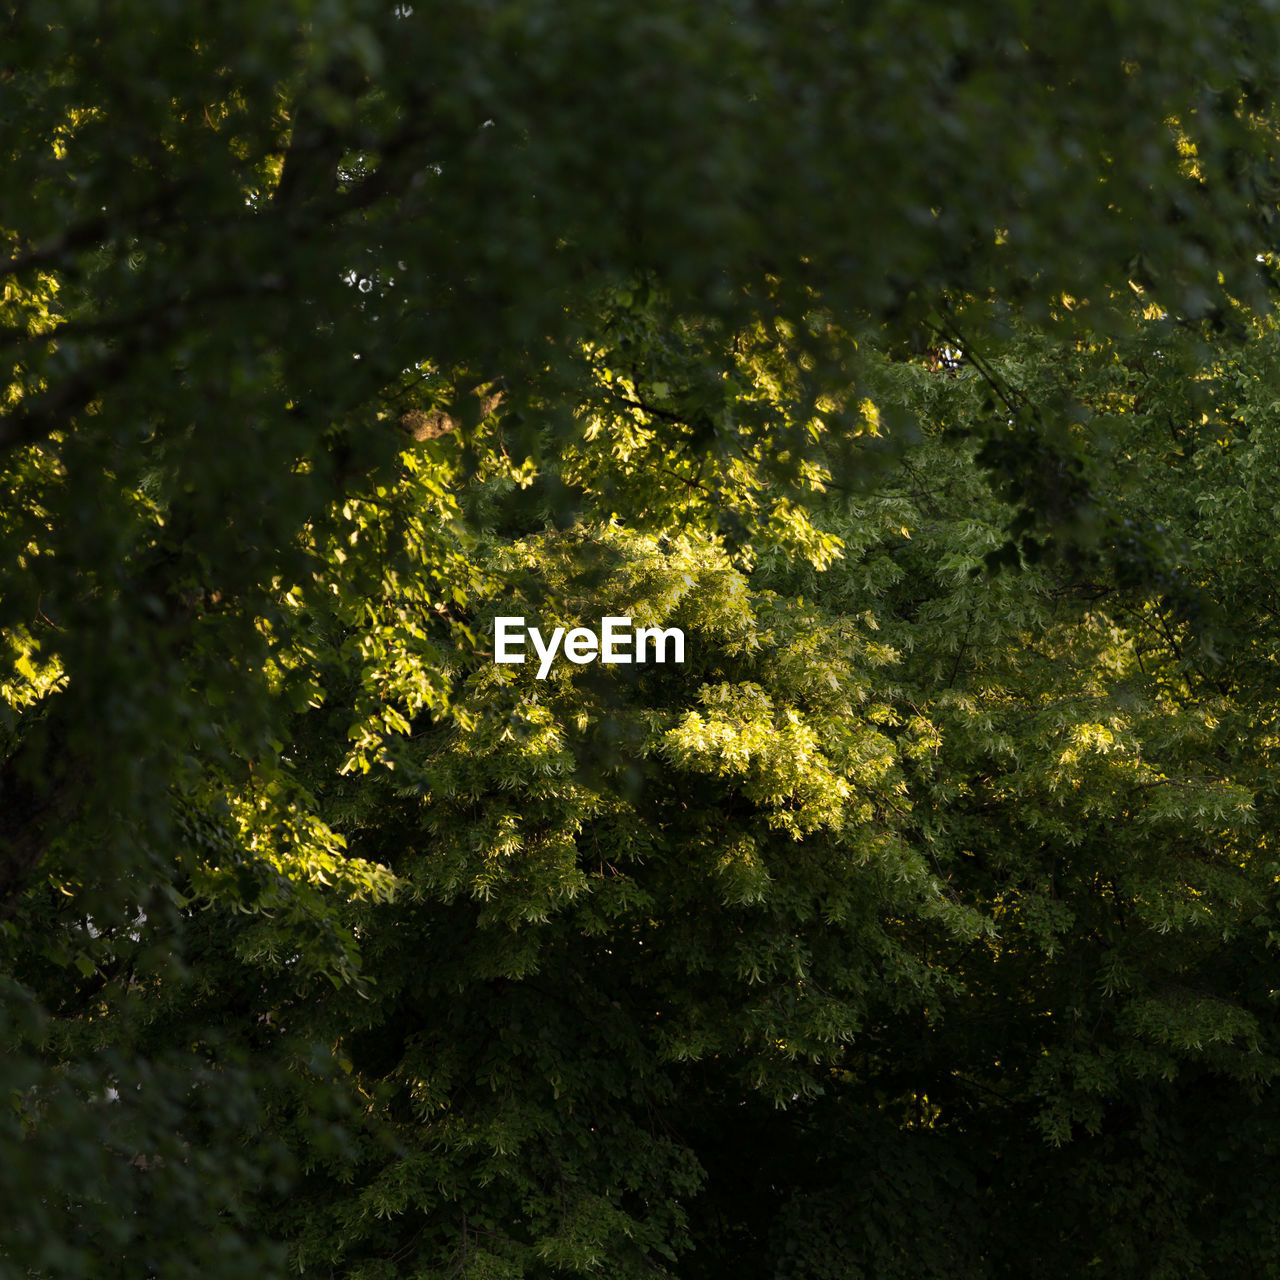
(917,361)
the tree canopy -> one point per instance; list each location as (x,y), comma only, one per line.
(918,362)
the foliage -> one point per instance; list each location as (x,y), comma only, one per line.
(916,361)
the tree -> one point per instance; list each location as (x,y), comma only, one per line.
(232,277)
(195,266)
(945,863)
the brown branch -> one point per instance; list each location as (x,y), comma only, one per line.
(430,426)
(92,231)
(40,417)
